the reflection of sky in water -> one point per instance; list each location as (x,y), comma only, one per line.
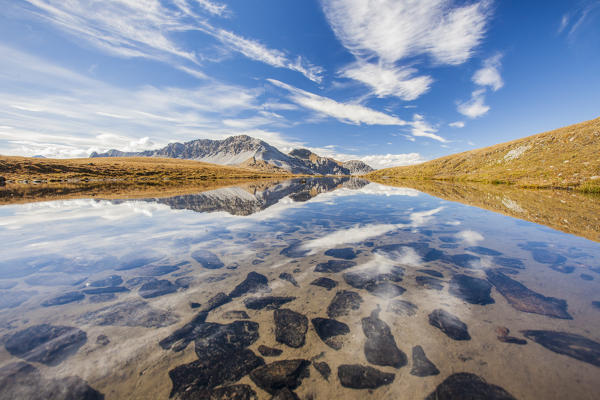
(56,247)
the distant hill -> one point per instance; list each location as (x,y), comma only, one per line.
(249,152)
(568,157)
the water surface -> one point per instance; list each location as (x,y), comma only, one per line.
(347,288)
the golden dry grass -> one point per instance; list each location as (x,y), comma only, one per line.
(128,169)
(568,157)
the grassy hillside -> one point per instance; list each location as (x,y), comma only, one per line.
(568,157)
(138,169)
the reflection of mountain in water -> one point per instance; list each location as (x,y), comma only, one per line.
(251,199)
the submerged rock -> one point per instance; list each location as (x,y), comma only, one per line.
(214,340)
(346,253)
(215,302)
(235,314)
(484,251)
(357,376)
(380,346)
(288,277)
(139,281)
(157,288)
(232,392)
(330,331)
(323,369)
(280,374)
(402,307)
(472,290)
(102,340)
(158,270)
(367,278)
(45,343)
(453,327)
(290,327)
(421,365)
(325,283)
(431,272)
(14,298)
(65,298)
(343,302)
(295,250)
(285,394)
(253,283)
(464,260)
(102,298)
(509,262)
(269,351)
(386,290)
(207,259)
(544,256)
(130,313)
(569,344)
(268,302)
(19,380)
(207,373)
(429,282)
(104,290)
(464,385)
(526,300)
(178,340)
(112,280)
(586,277)
(334,266)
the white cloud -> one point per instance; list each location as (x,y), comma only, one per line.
(149,28)
(347,113)
(389,80)
(470,237)
(489,74)
(476,106)
(420,127)
(396,29)
(457,124)
(392,160)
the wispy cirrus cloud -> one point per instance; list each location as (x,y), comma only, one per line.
(150,28)
(383,33)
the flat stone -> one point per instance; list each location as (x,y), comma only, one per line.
(65,298)
(569,344)
(214,340)
(14,298)
(356,376)
(380,346)
(216,301)
(386,290)
(185,282)
(103,290)
(421,365)
(158,270)
(181,337)
(130,313)
(596,304)
(157,288)
(207,259)
(133,261)
(464,260)
(253,283)
(295,250)
(586,277)
(402,307)
(232,392)
(346,253)
(468,386)
(56,279)
(472,290)
(431,272)
(101,298)
(330,331)
(45,343)
(325,283)
(512,340)
(563,269)
(235,314)
(367,278)
(290,327)
(285,394)
(484,251)
(429,282)
(280,374)
(139,281)
(19,380)
(453,327)
(526,300)
(269,351)
(509,262)
(544,256)
(323,369)
(288,277)
(334,266)
(267,302)
(112,280)
(207,373)
(343,302)
(102,340)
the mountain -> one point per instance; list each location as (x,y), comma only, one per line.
(568,157)
(357,167)
(248,152)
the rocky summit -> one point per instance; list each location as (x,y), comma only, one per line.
(251,152)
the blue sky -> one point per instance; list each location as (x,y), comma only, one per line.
(391,82)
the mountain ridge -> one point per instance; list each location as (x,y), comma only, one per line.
(244,150)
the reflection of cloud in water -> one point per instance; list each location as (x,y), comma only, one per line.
(351,235)
(470,237)
(406,256)
(421,218)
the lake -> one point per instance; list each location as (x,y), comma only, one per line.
(319,288)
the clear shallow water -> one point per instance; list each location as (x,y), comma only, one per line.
(155,298)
